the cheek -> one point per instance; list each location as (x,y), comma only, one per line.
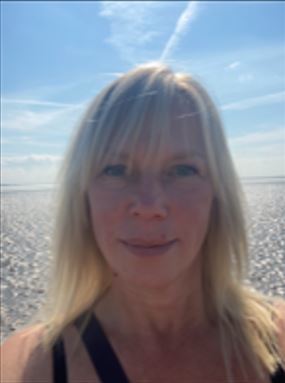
(193,208)
(104,214)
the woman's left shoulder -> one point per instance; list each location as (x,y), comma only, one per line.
(23,358)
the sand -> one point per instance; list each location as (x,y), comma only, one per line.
(27,218)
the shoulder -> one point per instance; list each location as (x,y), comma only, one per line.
(23,358)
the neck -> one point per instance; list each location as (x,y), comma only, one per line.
(158,315)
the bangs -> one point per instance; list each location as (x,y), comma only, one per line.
(150,112)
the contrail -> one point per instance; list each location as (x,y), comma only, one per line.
(185,18)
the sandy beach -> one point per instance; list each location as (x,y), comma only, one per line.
(26,226)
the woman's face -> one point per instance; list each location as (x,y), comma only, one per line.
(150,222)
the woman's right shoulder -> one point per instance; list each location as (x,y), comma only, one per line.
(23,358)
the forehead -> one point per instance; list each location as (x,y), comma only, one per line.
(179,141)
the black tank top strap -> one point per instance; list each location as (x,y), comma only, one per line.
(59,362)
(100,351)
(278,376)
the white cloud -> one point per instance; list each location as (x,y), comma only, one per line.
(259,166)
(30,160)
(255,101)
(187,16)
(261,153)
(28,118)
(233,65)
(34,175)
(265,137)
(112,74)
(132,25)
(30,169)
(24,123)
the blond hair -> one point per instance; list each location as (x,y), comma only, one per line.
(80,274)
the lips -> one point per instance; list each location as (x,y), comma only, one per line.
(152,249)
(147,244)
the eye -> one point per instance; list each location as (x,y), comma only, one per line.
(184,170)
(114,170)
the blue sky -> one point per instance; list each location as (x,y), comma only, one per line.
(56,56)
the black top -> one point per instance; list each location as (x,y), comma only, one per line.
(103,356)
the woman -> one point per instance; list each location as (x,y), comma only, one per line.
(150,251)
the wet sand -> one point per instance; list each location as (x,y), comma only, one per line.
(26,226)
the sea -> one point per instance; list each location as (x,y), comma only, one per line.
(50,186)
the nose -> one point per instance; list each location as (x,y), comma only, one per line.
(149,200)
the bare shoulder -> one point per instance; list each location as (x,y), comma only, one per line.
(23,358)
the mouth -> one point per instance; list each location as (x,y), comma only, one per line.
(144,250)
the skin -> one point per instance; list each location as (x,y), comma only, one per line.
(155,298)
